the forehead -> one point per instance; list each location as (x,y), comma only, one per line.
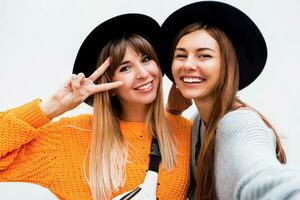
(197,39)
(130,53)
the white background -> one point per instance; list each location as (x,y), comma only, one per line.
(39,40)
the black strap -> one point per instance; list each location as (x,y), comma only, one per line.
(191,192)
(155,159)
(198,144)
(131,194)
(155,156)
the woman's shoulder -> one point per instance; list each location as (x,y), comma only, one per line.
(178,120)
(243,123)
(241,117)
(179,125)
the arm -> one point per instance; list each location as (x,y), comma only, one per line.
(245,160)
(22,128)
(272,182)
(27,152)
(18,127)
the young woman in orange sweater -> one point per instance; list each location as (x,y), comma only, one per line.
(100,156)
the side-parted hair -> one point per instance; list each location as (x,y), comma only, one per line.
(108,152)
(224,98)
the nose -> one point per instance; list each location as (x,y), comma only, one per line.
(142,72)
(190,64)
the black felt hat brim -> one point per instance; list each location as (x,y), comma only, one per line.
(247,39)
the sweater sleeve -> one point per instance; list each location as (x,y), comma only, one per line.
(270,182)
(18,128)
(246,166)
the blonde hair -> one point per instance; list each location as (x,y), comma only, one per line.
(108,153)
(224,98)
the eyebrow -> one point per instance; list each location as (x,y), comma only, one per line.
(124,62)
(127,61)
(199,49)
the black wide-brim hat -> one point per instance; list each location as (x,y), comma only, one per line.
(249,44)
(114,29)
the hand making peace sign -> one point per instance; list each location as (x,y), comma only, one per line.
(75,91)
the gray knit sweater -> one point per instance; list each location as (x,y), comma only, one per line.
(246,166)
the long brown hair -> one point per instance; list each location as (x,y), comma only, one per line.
(108,151)
(224,98)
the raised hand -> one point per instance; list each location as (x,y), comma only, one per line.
(176,102)
(75,91)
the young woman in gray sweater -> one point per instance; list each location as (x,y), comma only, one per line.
(215,50)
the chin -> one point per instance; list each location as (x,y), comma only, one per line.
(190,94)
(146,99)
(149,100)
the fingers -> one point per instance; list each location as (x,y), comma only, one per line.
(107,86)
(100,70)
(73,78)
(76,81)
(81,76)
(67,83)
(75,84)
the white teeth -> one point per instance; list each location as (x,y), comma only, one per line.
(192,80)
(145,87)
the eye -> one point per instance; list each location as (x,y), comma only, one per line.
(180,55)
(125,68)
(204,56)
(146,58)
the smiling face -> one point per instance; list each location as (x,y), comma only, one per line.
(140,74)
(196,65)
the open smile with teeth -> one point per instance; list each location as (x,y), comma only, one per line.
(192,79)
(145,87)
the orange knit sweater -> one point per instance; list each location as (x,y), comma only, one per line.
(52,154)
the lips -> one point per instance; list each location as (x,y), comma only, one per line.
(189,79)
(145,87)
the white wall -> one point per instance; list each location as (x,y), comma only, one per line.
(39,40)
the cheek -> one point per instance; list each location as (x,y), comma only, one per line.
(126,83)
(126,78)
(155,69)
(213,68)
(122,91)
(156,72)
(114,78)
(216,71)
(175,69)
(214,75)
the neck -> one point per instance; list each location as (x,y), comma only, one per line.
(134,113)
(204,107)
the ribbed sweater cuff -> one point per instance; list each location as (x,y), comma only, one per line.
(32,114)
